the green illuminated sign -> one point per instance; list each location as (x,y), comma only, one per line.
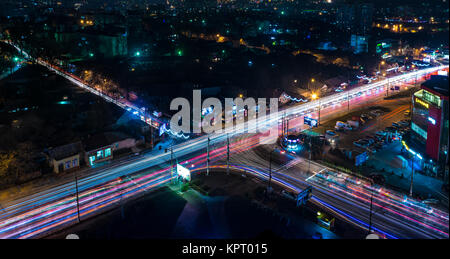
(418,130)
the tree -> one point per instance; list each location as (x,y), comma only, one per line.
(7,162)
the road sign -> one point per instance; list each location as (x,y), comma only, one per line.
(303,196)
(184,172)
(310,121)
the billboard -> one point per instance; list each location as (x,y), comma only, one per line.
(310,121)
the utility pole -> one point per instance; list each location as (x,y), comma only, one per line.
(78,204)
(310,149)
(348,101)
(171,162)
(412,176)
(270,171)
(228,154)
(207,157)
(318,123)
(370,213)
(387,88)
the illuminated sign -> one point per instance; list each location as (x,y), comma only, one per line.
(418,130)
(162,129)
(310,121)
(411,151)
(183,172)
(433,121)
(422,102)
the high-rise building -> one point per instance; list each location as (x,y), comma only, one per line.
(356,18)
(428,138)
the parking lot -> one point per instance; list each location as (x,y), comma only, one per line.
(378,125)
(380,133)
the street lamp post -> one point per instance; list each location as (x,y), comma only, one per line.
(387,86)
(270,170)
(370,213)
(207,158)
(312,81)
(228,154)
(318,122)
(171,162)
(314,96)
(348,101)
(78,204)
(412,176)
(379,66)
(310,150)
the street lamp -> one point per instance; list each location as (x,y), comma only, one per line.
(314,96)
(371,201)
(270,170)
(312,81)
(412,175)
(381,64)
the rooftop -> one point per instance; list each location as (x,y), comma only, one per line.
(103,140)
(64,151)
(437,84)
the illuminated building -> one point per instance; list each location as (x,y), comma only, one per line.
(65,158)
(100,148)
(428,139)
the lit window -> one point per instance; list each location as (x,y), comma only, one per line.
(100,154)
(107,152)
(75,162)
(67,165)
(91,160)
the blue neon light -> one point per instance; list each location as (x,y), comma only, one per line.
(433,121)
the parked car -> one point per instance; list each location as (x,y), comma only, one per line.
(366,116)
(381,133)
(369,140)
(360,143)
(376,113)
(372,150)
(407,113)
(330,132)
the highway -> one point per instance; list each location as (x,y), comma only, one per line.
(54,208)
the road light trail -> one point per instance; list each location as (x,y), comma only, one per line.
(41,224)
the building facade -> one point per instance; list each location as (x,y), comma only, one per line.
(100,148)
(428,139)
(66,158)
